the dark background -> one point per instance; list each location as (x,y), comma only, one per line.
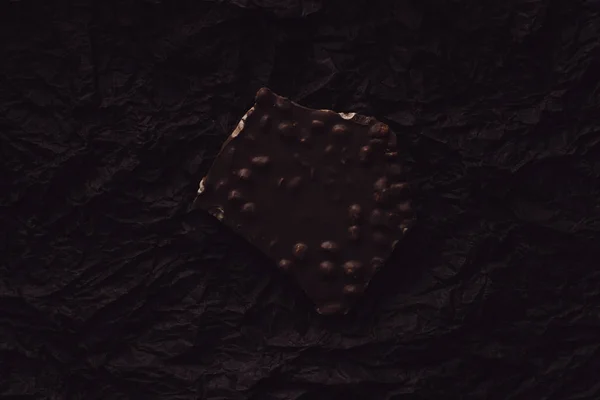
(111,287)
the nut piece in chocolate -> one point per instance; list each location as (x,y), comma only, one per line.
(329,189)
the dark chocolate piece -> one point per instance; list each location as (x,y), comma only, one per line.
(322,194)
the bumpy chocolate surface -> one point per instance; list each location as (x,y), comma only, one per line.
(321,193)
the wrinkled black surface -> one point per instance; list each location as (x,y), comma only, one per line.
(111,288)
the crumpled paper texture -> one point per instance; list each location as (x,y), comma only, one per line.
(111,287)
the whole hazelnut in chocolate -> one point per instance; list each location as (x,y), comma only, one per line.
(264,96)
(379,130)
(365,153)
(317,125)
(380,184)
(329,246)
(300,250)
(352,290)
(352,267)
(285,264)
(285,129)
(404,208)
(249,208)
(234,196)
(326,267)
(339,130)
(381,197)
(354,211)
(244,174)
(354,232)
(260,161)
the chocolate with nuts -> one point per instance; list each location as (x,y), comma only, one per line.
(328,189)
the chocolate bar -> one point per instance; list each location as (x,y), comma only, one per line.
(322,194)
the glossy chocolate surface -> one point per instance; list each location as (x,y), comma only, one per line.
(321,193)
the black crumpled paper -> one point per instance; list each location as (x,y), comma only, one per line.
(111,287)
